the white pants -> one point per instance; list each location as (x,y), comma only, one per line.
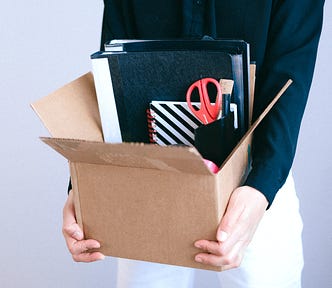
(274,258)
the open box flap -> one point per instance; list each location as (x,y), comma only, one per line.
(150,156)
(72,111)
(248,134)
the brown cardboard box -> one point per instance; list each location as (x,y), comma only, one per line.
(141,201)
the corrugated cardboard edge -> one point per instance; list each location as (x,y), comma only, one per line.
(136,155)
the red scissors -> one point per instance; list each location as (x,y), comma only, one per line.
(208,112)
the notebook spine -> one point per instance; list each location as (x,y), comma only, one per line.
(151,126)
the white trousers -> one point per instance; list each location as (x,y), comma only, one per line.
(274,258)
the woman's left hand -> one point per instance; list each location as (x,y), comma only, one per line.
(244,211)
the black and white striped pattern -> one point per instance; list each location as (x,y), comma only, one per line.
(172,123)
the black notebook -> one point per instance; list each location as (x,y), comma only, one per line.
(129,78)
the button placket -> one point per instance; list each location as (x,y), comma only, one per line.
(197,23)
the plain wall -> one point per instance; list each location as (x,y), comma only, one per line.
(45,44)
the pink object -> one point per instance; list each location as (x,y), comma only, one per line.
(212,166)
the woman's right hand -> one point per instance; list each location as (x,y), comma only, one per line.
(77,246)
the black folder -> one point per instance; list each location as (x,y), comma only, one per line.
(133,73)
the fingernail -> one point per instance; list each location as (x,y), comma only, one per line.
(198,259)
(222,236)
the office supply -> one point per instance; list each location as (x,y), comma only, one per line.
(242,89)
(226,86)
(233,109)
(226,104)
(207,112)
(169,119)
(217,139)
(212,166)
(159,70)
(171,123)
(226,89)
(135,79)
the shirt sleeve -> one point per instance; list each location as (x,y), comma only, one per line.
(291,50)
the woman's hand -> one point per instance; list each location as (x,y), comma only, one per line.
(245,209)
(73,234)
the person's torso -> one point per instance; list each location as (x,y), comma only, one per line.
(150,19)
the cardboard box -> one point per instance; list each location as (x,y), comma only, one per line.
(141,201)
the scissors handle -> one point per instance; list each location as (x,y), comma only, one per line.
(208,112)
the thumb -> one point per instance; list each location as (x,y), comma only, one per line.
(224,229)
(230,218)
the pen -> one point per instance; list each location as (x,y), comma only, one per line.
(226,104)
(226,88)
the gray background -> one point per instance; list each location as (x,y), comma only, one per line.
(45,44)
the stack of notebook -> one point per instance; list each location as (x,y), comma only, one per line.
(130,74)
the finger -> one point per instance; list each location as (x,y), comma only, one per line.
(231,260)
(79,247)
(88,257)
(234,224)
(246,206)
(242,232)
(230,219)
(212,247)
(73,231)
(208,259)
(222,235)
(238,238)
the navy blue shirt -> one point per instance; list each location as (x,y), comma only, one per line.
(283,37)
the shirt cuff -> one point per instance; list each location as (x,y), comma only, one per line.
(265,180)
